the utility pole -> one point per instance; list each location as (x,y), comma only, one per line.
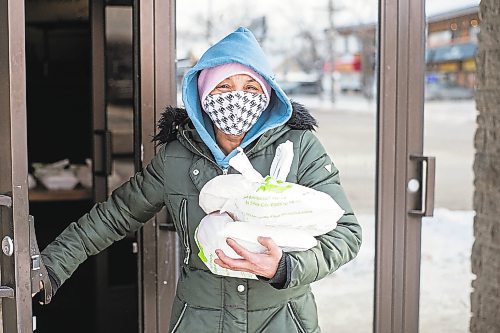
(208,32)
(330,36)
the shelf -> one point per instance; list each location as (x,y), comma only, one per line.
(38,194)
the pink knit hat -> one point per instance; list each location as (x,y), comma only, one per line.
(209,78)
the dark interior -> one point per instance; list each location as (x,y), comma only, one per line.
(101,296)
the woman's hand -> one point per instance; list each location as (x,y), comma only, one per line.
(41,288)
(263,264)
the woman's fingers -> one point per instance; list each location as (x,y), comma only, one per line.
(270,245)
(264,264)
(240,250)
(41,288)
(221,263)
(230,263)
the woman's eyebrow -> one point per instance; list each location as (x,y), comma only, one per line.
(251,80)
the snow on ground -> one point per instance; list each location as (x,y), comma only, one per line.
(345,299)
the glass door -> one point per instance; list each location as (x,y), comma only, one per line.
(114,157)
(96,93)
(450,125)
(324,55)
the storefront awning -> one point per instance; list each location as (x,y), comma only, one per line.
(348,63)
(456,52)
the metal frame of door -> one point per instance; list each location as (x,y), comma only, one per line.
(399,210)
(15,269)
(154,88)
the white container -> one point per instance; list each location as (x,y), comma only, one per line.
(84,173)
(63,180)
(54,176)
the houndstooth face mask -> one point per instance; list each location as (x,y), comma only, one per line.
(235,112)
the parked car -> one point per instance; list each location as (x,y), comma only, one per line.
(301,87)
(350,82)
(445,90)
(301,84)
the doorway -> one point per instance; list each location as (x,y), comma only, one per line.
(67,47)
(397,236)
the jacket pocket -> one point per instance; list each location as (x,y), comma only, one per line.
(295,318)
(183,219)
(178,322)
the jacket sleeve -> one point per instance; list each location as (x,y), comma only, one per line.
(338,246)
(127,208)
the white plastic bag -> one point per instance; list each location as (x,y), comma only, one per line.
(215,228)
(288,239)
(219,192)
(282,162)
(209,237)
(283,204)
(251,198)
(289,213)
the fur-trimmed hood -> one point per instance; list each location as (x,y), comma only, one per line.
(172,117)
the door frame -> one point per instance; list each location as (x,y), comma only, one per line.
(15,269)
(400,121)
(154,88)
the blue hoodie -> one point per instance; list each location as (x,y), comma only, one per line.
(242,47)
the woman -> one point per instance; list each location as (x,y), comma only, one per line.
(231,100)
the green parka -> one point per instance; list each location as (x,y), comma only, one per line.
(205,302)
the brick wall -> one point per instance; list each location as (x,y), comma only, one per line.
(485,299)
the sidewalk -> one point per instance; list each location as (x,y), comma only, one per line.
(346,296)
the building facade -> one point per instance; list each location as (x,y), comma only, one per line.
(451,47)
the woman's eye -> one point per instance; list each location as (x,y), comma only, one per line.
(223,86)
(252,88)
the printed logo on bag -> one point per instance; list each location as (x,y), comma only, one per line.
(271,185)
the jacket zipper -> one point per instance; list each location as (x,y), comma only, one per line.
(224,170)
(250,151)
(185,231)
(295,318)
(180,318)
(203,155)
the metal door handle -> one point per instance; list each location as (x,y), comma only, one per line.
(6,291)
(38,270)
(427,181)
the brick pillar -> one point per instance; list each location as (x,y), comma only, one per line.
(485,299)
